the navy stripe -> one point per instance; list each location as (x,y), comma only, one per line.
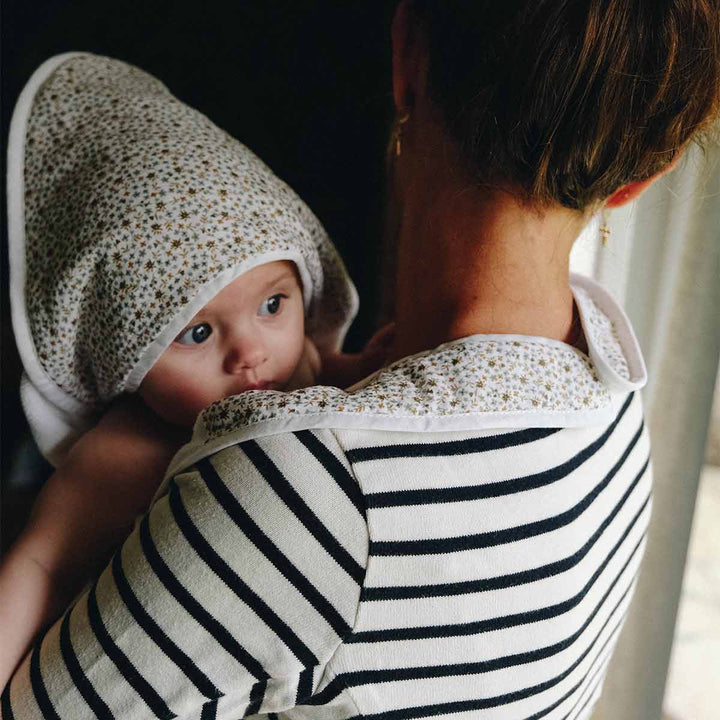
(193,607)
(405,592)
(581,710)
(593,678)
(480,626)
(452,447)
(436,546)
(84,686)
(302,512)
(5,704)
(545,711)
(158,635)
(365,677)
(262,542)
(486,703)
(305,686)
(328,693)
(209,710)
(38,685)
(595,674)
(257,695)
(141,686)
(234,582)
(345,480)
(399,498)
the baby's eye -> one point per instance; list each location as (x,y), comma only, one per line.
(272,305)
(194,335)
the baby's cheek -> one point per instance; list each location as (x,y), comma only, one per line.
(178,388)
(186,402)
(196,401)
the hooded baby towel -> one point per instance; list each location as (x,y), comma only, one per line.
(128,211)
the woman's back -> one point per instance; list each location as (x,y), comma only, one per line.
(501,585)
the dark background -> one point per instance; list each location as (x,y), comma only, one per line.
(304,83)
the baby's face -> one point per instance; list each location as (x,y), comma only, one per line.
(249,336)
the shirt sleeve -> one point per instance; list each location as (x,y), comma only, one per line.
(228,599)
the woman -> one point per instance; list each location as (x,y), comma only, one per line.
(460,532)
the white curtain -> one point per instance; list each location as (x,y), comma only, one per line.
(663,262)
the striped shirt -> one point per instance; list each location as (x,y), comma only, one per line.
(473,562)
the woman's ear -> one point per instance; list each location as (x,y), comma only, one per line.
(627,193)
(408,58)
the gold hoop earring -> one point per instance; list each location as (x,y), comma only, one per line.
(397,133)
(604,227)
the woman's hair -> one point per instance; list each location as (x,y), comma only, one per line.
(570,99)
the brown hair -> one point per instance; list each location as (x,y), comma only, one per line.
(568,99)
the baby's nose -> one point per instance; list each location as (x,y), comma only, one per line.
(245,353)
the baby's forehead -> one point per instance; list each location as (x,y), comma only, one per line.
(256,282)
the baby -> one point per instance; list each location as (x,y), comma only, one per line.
(156,266)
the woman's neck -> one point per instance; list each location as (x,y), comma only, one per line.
(472,260)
